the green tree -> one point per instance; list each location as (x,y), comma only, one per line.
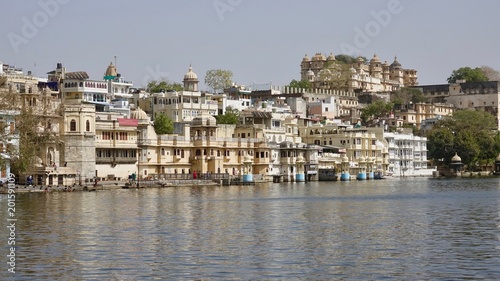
(231,116)
(407,95)
(335,76)
(468,74)
(471,134)
(302,84)
(163,85)
(35,127)
(440,142)
(219,79)
(163,124)
(374,110)
(347,59)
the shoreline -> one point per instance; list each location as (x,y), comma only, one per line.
(110,185)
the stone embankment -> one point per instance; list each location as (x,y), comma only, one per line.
(107,185)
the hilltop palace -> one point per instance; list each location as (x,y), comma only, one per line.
(105,131)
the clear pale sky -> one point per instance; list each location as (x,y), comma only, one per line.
(260,41)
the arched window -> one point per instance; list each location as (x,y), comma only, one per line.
(87,126)
(72,125)
(182,153)
(162,151)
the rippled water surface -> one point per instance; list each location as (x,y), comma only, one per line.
(394,229)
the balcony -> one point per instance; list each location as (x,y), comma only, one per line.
(115,160)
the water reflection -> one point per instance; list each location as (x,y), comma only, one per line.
(408,229)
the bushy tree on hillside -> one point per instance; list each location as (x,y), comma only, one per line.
(300,84)
(407,95)
(219,79)
(35,128)
(335,75)
(163,85)
(491,73)
(374,110)
(347,59)
(231,116)
(473,135)
(468,74)
(163,124)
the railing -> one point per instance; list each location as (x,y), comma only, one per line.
(115,160)
(206,176)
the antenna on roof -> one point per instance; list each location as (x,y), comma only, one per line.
(115,61)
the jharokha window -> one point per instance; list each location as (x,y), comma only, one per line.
(72,125)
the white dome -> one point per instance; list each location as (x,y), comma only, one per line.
(138,114)
(375,59)
(456,158)
(345,159)
(190,74)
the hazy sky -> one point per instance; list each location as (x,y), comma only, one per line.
(260,41)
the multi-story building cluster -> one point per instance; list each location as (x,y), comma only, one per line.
(362,76)
(481,96)
(105,127)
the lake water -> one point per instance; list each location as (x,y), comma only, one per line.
(393,229)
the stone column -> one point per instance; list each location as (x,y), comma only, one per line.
(247,169)
(299,175)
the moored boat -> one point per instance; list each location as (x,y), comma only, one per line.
(379,175)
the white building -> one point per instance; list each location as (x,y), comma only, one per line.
(184,105)
(407,155)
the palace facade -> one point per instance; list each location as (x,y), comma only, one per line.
(362,76)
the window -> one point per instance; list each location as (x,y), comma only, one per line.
(72,125)
(87,126)
(106,135)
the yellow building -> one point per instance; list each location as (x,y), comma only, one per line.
(372,76)
(199,146)
(115,146)
(358,144)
